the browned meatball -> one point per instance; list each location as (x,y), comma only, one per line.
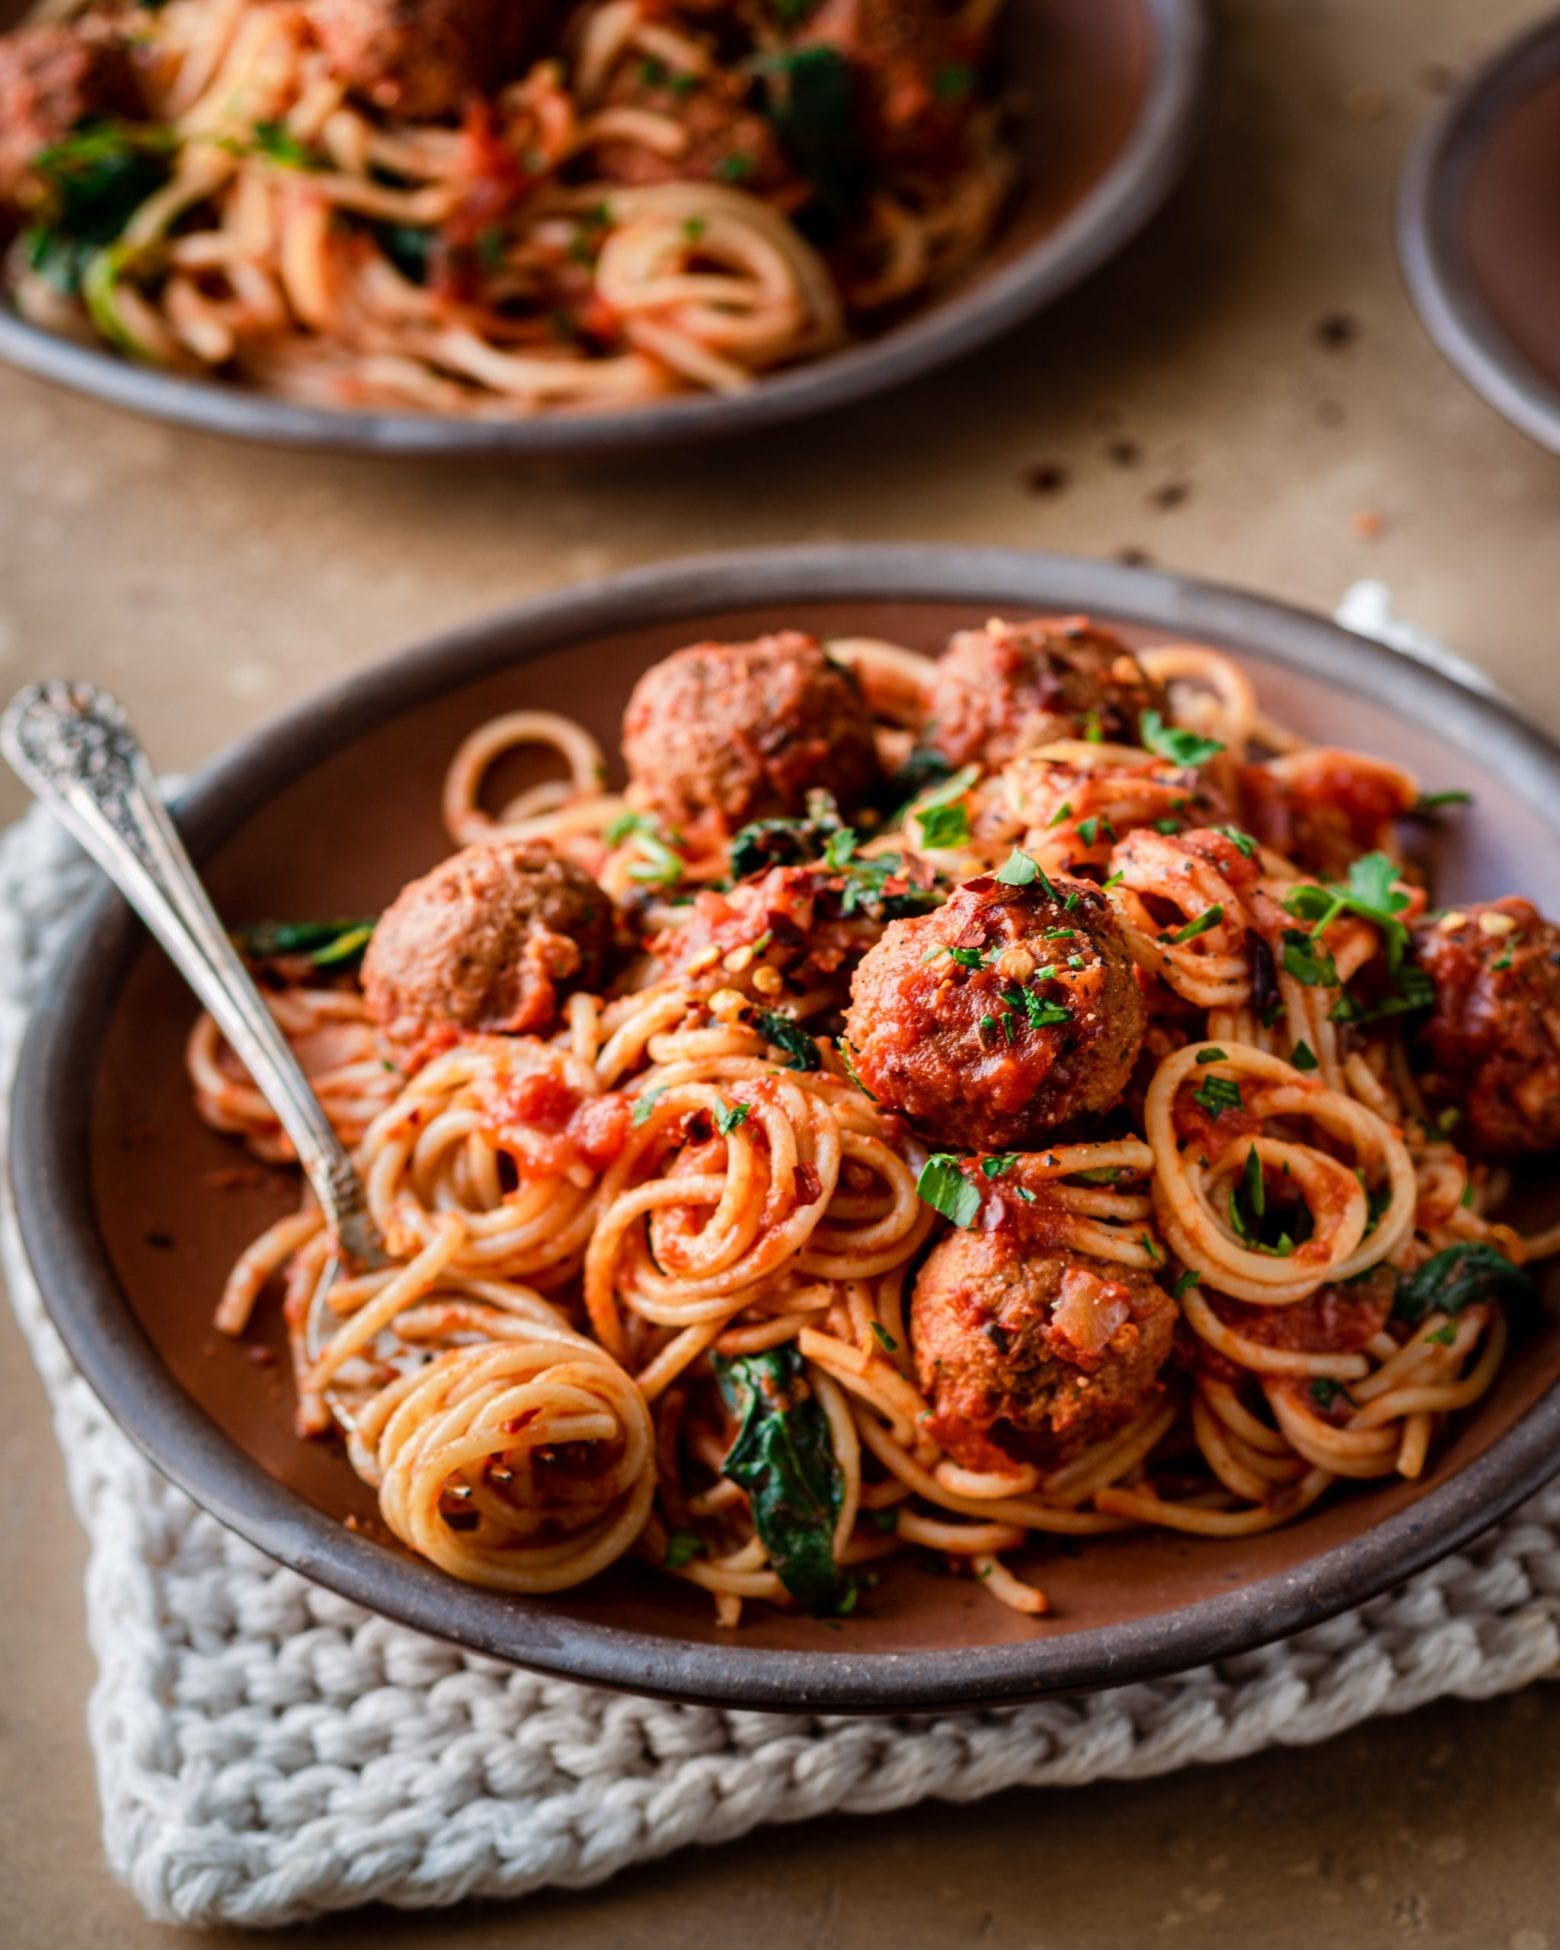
(486,944)
(725,139)
(1028,1354)
(1009,687)
(723,733)
(417,58)
(1001,1016)
(1492,1043)
(51,78)
(914,71)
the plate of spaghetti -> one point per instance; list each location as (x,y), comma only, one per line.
(941,1145)
(515,224)
(1479,236)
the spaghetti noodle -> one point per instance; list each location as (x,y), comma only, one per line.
(501,210)
(694,1270)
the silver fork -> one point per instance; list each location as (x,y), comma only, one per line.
(73,746)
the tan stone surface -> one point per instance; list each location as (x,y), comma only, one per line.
(213,583)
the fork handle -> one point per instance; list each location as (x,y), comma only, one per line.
(73,745)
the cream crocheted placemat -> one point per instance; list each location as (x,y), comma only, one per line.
(266,1751)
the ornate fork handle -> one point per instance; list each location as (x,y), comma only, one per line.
(72,744)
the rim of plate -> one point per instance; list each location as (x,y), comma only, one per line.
(1435,262)
(50,1180)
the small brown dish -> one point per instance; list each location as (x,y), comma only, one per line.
(113,1170)
(1107,96)
(1479,231)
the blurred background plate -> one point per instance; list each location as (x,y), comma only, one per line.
(1109,93)
(1479,231)
(333,806)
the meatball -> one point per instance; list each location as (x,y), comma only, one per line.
(1000,1017)
(419,58)
(1492,1044)
(1003,690)
(51,78)
(904,54)
(1029,1355)
(486,944)
(725,140)
(723,733)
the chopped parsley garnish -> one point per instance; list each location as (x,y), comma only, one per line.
(786,1033)
(944,1186)
(1503,960)
(840,849)
(1371,894)
(646,1102)
(1431,802)
(1040,1013)
(1217,1095)
(277,143)
(953,81)
(967,957)
(1185,1283)
(1412,989)
(1308,961)
(1063,811)
(681,1546)
(1211,1056)
(1151,1249)
(1209,918)
(729,1117)
(1175,743)
(998,1163)
(953,787)
(658,865)
(1169,827)
(1243,843)
(1020,871)
(735,168)
(943,826)
(847,1057)
(1325,1391)
(885,1339)
(1090,829)
(1303,1056)
(1445,1335)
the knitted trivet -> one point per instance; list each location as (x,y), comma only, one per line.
(266,1751)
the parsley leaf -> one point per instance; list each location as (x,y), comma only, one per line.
(1303,1056)
(729,1117)
(1209,918)
(787,1034)
(1185,1283)
(1243,843)
(885,1339)
(943,826)
(1217,1095)
(943,1186)
(646,1102)
(1308,961)
(682,1545)
(1173,742)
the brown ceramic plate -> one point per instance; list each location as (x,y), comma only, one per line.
(1479,231)
(331,808)
(1107,94)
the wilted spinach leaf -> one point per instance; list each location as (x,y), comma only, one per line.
(328,944)
(1459,1276)
(93,182)
(783,1458)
